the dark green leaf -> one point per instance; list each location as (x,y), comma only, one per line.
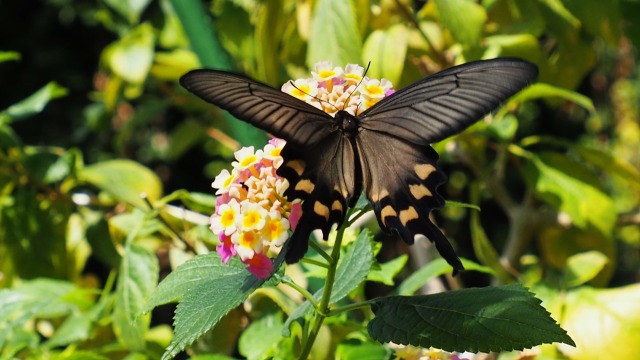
(477,320)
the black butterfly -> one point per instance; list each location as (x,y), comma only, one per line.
(385,150)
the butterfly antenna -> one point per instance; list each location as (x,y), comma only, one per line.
(313,96)
(358,85)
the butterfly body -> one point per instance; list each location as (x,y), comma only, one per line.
(384,151)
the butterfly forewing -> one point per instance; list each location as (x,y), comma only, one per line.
(446,103)
(261,105)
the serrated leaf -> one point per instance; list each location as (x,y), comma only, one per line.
(35,103)
(334,34)
(584,267)
(136,280)
(207,290)
(352,270)
(124,179)
(477,320)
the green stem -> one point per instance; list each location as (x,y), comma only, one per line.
(322,310)
(307,295)
(320,251)
(341,309)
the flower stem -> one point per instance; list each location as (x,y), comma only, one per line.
(323,308)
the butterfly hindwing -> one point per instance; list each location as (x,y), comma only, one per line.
(323,177)
(447,102)
(401,181)
(261,105)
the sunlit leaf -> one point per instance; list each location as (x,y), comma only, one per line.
(571,188)
(584,267)
(603,321)
(388,270)
(124,179)
(334,34)
(540,91)
(386,50)
(131,57)
(464,19)
(136,280)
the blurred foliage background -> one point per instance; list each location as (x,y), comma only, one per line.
(91,117)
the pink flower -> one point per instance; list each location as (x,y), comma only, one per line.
(294,216)
(259,265)
(226,249)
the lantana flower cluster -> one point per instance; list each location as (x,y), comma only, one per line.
(252,215)
(331,89)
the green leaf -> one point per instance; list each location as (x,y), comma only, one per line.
(129,9)
(9,56)
(477,320)
(386,50)
(353,349)
(541,91)
(482,247)
(126,180)
(130,58)
(614,165)
(571,188)
(464,19)
(47,165)
(584,267)
(334,34)
(599,18)
(603,321)
(504,128)
(136,281)
(34,104)
(434,269)
(352,270)
(207,290)
(387,271)
(260,339)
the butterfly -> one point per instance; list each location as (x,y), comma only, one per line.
(384,150)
